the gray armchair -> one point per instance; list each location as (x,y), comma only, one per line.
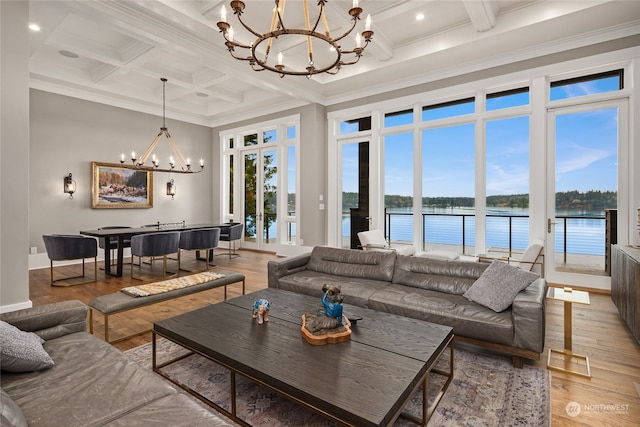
(198,240)
(231,232)
(154,245)
(64,247)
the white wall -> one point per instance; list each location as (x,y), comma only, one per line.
(14,155)
(67,134)
(61,135)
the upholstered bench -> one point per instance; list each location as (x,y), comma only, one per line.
(119,302)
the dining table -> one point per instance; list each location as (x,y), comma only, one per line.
(113,238)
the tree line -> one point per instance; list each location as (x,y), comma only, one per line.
(593,200)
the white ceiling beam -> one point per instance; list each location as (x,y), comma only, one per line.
(482,14)
(199,41)
(211,9)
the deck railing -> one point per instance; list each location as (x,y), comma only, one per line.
(575,234)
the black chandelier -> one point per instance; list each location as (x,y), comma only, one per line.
(137,163)
(258,53)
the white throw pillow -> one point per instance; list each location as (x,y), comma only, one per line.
(21,351)
(498,286)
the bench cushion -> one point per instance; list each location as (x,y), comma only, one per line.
(119,301)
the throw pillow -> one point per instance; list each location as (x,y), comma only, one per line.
(21,351)
(498,285)
(10,414)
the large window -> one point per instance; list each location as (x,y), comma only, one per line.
(609,81)
(448,187)
(398,187)
(256,194)
(507,184)
(470,174)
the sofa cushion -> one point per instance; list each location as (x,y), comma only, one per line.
(498,286)
(21,351)
(452,277)
(372,265)
(173,410)
(355,291)
(467,318)
(440,254)
(91,384)
(10,413)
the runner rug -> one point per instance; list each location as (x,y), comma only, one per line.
(486,391)
(171,284)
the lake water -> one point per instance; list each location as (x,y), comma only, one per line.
(584,235)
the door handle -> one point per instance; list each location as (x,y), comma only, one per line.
(549,222)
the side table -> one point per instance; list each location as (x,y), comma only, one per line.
(568,296)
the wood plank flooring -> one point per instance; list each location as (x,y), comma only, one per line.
(610,398)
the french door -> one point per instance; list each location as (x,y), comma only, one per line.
(357,191)
(586,157)
(260,197)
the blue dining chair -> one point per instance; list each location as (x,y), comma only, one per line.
(113,241)
(154,245)
(63,247)
(232,232)
(204,239)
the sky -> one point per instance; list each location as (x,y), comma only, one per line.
(586,149)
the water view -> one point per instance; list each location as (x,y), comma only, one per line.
(585,229)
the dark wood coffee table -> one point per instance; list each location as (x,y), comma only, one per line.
(362,382)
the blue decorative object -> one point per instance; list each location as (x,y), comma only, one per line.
(261,310)
(332,303)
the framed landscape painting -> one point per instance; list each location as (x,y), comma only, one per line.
(116,187)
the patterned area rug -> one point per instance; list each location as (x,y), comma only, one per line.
(486,391)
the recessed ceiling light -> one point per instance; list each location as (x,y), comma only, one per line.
(34,27)
(201,94)
(419,16)
(68,54)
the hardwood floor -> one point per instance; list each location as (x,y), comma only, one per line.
(610,398)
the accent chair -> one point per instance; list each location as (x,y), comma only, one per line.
(154,245)
(63,247)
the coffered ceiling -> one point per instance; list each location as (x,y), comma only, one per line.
(115,52)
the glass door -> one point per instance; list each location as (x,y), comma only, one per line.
(260,201)
(355,192)
(582,190)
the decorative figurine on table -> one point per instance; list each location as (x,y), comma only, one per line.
(261,310)
(327,324)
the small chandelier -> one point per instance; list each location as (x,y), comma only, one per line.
(137,163)
(258,53)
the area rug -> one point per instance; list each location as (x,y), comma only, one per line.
(486,391)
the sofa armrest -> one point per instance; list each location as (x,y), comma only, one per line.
(529,313)
(283,267)
(51,320)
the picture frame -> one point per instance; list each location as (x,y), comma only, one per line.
(115,187)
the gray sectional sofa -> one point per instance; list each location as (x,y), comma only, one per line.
(91,383)
(427,289)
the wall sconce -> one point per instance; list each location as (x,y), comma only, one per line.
(69,185)
(171,189)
